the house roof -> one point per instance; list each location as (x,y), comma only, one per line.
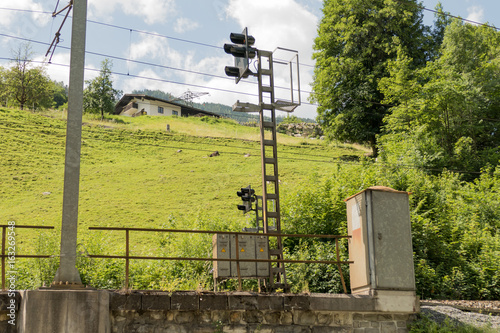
(185,109)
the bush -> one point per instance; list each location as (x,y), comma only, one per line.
(455,226)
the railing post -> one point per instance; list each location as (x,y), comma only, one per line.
(338,264)
(126,259)
(237,245)
(3,256)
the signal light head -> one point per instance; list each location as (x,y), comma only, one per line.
(242,52)
(240,39)
(232,71)
(235,50)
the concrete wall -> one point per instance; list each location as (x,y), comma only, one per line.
(186,312)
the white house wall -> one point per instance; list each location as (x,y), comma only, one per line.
(151,108)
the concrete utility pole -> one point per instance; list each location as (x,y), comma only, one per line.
(67,272)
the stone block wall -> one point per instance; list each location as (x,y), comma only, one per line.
(247,312)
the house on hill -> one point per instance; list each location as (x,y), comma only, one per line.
(134,105)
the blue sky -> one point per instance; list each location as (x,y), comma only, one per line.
(176,45)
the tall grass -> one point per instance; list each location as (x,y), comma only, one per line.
(136,174)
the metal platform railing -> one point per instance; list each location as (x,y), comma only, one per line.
(129,257)
(13,254)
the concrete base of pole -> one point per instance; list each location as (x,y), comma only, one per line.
(69,276)
(63,311)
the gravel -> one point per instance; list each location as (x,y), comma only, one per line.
(476,313)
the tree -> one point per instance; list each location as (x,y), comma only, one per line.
(356,39)
(3,85)
(99,96)
(60,96)
(26,84)
(447,113)
(441,21)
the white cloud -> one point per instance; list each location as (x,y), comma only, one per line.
(150,79)
(476,14)
(185,24)
(55,70)
(151,11)
(155,49)
(285,24)
(26,23)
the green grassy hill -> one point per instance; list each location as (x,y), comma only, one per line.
(135,174)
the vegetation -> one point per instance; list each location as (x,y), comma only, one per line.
(133,175)
(455,225)
(25,85)
(136,174)
(356,40)
(99,96)
(446,113)
(427,325)
(428,100)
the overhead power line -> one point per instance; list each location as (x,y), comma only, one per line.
(145,63)
(201,44)
(136,30)
(327,159)
(446,14)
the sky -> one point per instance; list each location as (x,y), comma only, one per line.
(177,45)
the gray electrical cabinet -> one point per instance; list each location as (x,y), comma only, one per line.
(380,246)
(246,250)
(249,247)
(262,252)
(222,250)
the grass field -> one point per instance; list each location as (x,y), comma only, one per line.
(135,174)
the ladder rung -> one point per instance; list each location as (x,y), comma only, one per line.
(265,54)
(267,107)
(267,89)
(269,142)
(272,214)
(270,160)
(275,270)
(266,72)
(268,124)
(275,252)
(285,287)
(271,196)
(270,178)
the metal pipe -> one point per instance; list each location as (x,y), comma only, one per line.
(3,256)
(221,232)
(127,242)
(219,259)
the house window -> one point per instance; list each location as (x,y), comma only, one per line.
(135,105)
(160,109)
(175,113)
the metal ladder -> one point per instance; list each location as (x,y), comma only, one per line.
(271,219)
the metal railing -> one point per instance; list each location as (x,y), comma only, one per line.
(13,254)
(129,257)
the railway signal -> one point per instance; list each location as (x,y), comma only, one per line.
(247,195)
(242,51)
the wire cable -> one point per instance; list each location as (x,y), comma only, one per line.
(331,160)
